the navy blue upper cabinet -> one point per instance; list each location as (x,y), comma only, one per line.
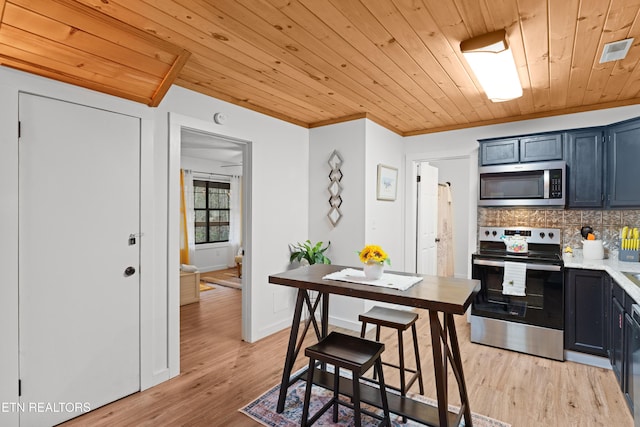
(499,151)
(623,165)
(541,148)
(585,168)
(535,148)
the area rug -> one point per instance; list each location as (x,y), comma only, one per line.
(205,286)
(263,410)
(231,282)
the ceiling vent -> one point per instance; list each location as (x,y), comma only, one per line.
(615,50)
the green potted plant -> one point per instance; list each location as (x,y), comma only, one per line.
(313,253)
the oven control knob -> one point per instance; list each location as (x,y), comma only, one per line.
(494,232)
(551,235)
(486,232)
(542,234)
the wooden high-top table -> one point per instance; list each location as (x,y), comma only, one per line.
(436,294)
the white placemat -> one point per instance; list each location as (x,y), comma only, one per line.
(388,280)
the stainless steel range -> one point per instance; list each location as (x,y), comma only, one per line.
(531,320)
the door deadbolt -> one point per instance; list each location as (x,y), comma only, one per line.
(129,271)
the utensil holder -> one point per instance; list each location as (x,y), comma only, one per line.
(628,255)
(592,249)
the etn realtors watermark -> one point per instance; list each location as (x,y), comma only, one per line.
(45,407)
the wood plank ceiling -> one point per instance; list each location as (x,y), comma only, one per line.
(314,62)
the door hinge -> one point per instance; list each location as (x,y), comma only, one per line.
(418,178)
(19,129)
(19,388)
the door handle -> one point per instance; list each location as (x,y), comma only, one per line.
(537,267)
(129,271)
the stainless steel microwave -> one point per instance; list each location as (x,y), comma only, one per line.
(523,184)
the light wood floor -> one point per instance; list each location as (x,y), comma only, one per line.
(220,373)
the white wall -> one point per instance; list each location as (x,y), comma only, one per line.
(8,246)
(348,139)
(362,145)
(212,257)
(384,219)
(207,165)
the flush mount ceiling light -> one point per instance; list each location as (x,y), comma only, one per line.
(492,62)
(615,51)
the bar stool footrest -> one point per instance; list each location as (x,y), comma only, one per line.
(421,412)
(356,355)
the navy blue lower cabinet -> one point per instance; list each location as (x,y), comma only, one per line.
(616,351)
(587,302)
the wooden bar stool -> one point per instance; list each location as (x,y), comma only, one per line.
(399,320)
(356,355)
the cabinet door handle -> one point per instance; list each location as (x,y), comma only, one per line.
(620,320)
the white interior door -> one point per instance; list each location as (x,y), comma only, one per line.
(427,250)
(79,310)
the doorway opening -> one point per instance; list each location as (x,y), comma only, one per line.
(212,172)
(212,156)
(459,172)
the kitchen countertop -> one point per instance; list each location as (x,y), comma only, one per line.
(611,266)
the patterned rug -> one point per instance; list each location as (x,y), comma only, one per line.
(263,410)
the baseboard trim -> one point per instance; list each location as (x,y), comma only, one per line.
(587,359)
(345,324)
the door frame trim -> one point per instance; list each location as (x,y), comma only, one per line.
(176,123)
(411,205)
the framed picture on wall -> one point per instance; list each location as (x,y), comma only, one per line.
(387,182)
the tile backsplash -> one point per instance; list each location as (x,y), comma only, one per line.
(606,223)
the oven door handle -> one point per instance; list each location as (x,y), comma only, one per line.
(537,267)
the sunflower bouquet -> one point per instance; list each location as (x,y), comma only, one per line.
(374,254)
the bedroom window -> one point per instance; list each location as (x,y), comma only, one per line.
(211,205)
